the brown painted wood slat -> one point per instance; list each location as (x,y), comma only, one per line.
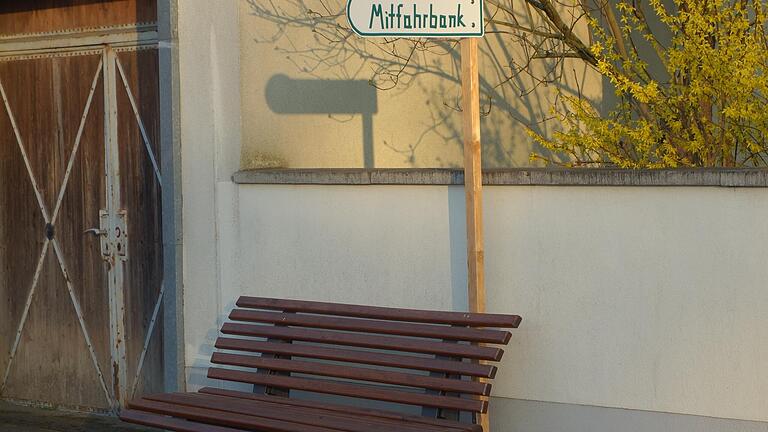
(170,423)
(351,390)
(373,312)
(361,412)
(374,326)
(332,348)
(354,373)
(220,418)
(274,410)
(366,341)
(361,357)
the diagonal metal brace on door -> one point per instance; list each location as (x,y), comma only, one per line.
(139,123)
(156,168)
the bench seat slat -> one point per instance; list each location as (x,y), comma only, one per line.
(276,411)
(221,418)
(373,326)
(361,412)
(170,423)
(373,312)
(349,389)
(354,373)
(361,357)
(365,341)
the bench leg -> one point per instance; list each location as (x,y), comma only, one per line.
(273,391)
(442,412)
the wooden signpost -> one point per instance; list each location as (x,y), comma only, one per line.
(473,174)
(473,183)
(442,19)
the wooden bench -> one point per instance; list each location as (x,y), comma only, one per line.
(438,362)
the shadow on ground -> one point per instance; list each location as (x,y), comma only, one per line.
(14,418)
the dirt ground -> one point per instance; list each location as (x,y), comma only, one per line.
(14,418)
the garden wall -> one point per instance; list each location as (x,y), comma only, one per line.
(649,299)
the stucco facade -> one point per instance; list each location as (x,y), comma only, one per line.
(644,307)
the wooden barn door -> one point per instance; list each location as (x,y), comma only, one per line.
(80,217)
(52,185)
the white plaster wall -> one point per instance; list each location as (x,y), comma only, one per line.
(646,298)
(642,298)
(209,116)
(416,124)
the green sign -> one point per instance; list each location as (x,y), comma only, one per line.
(416,18)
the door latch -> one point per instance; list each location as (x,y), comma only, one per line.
(117,243)
(121,234)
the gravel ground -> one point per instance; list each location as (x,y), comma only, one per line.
(14,418)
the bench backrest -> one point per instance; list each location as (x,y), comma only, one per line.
(439,361)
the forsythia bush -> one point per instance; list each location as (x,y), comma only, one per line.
(708,108)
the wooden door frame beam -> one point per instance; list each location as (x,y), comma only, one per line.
(115,36)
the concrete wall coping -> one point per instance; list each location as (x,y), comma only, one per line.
(509,177)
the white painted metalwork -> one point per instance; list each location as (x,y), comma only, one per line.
(37,54)
(81,32)
(147,340)
(23,150)
(158,176)
(117,334)
(112,220)
(76,147)
(51,220)
(81,320)
(145,138)
(24,314)
(76,50)
(79,38)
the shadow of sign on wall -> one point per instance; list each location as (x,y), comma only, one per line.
(286,95)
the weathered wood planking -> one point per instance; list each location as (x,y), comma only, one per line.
(140,194)
(45,16)
(20,239)
(53,364)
